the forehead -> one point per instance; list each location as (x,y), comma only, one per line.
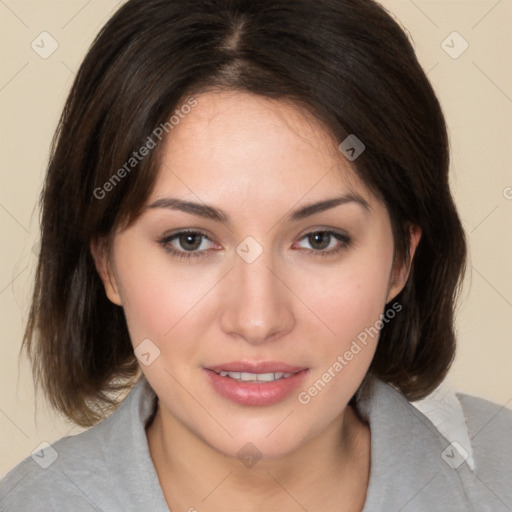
(249,145)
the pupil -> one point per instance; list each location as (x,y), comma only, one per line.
(187,241)
(322,239)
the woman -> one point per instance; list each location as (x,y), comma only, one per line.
(247,224)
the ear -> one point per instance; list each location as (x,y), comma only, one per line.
(101,256)
(401,270)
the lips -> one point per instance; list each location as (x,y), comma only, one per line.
(255,393)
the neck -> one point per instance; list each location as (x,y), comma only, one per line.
(332,465)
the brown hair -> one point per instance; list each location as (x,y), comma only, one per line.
(348,62)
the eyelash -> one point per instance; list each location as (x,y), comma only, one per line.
(187,255)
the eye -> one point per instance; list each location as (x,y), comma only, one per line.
(185,244)
(326,242)
(191,244)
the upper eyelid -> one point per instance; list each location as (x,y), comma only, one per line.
(325,229)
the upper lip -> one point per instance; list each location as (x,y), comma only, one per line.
(256,367)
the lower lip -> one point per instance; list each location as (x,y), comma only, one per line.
(255,393)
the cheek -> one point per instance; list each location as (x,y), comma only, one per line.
(145,307)
(159,297)
(350,297)
(349,303)
(148,298)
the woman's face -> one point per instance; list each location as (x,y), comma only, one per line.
(254,288)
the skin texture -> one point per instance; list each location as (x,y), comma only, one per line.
(257,160)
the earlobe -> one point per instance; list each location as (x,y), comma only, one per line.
(101,257)
(401,270)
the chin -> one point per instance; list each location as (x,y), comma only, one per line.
(258,440)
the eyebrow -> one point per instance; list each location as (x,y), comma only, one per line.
(209,212)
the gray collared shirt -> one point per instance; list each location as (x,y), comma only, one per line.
(108,468)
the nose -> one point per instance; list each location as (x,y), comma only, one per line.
(257,303)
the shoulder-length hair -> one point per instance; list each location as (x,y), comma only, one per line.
(348,62)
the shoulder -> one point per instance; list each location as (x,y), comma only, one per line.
(472,420)
(457,444)
(99,469)
(490,428)
(478,432)
(46,479)
(62,472)
(482,414)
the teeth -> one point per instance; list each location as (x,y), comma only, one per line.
(255,377)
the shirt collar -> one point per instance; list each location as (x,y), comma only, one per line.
(407,471)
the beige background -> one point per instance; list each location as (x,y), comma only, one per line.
(475,91)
